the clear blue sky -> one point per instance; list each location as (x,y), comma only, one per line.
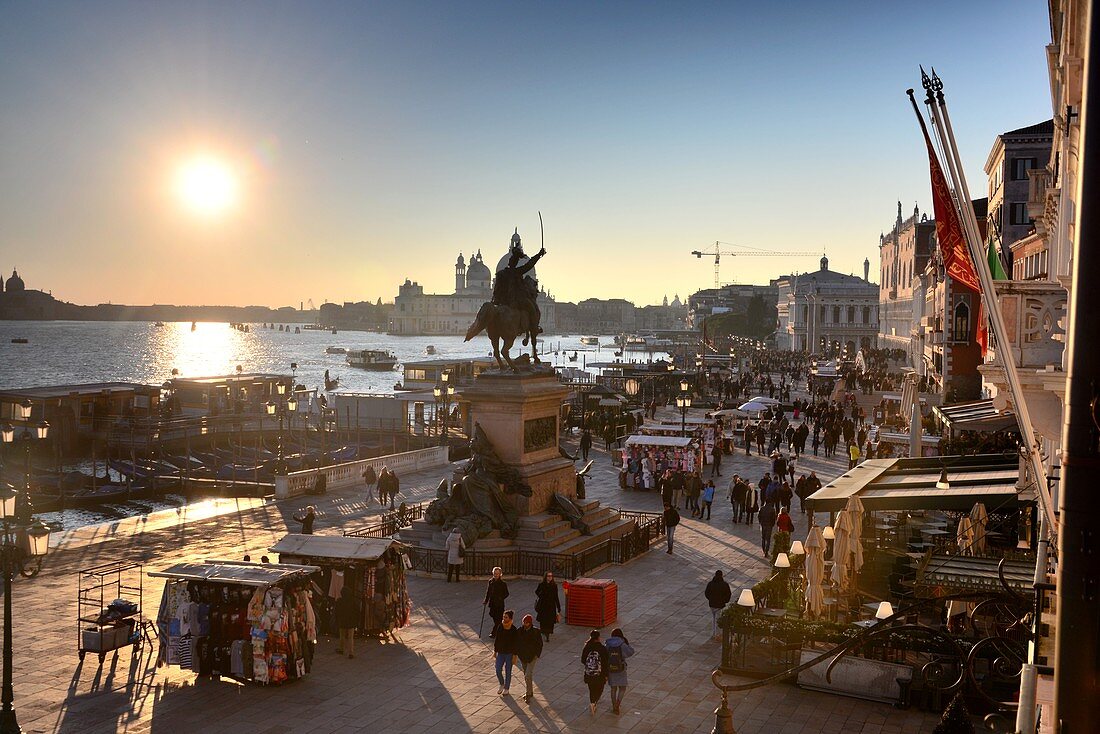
(375,141)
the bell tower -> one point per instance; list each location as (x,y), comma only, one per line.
(460,274)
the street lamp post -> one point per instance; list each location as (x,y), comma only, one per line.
(683,402)
(16,557)
(284,411)
(443,393)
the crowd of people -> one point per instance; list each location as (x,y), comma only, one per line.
(603,664)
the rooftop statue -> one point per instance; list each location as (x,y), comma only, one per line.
(513,310)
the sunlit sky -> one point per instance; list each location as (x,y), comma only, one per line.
(373,142)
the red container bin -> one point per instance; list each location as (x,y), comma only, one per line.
(592,602)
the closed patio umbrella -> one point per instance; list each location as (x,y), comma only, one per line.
(815,572)
(842,549)
(979,518)
(964,536)
(854,508)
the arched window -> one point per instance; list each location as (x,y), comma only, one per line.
(851,314)
(866,314)
(962,322)
(836,314)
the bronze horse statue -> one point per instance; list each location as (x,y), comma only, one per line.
(503,324)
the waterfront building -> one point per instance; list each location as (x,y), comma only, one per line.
(826,312)
(731,298)
(418,313)
(904,253)
(1014,157)
(79,413)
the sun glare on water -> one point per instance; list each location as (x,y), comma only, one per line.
(206,186)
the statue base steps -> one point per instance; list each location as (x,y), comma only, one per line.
(542,532)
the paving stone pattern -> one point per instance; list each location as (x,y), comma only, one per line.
(437,676)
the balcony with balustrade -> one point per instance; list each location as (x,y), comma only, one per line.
(1035,318)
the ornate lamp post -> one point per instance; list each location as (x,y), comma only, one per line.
(443,393)
(683,402)
(284,411)
(22,555)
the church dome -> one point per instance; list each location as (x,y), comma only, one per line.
(503,263)
(478,273)
(15,283)
(461,260)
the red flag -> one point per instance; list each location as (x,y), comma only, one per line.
(956,258)
(949,232)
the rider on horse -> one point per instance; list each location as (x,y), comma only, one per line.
(515,288)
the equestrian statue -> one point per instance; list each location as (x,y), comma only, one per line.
(513,310)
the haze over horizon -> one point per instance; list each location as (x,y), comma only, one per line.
(267,154)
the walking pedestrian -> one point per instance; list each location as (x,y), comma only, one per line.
(708,500)
(307,519)
(691,494)
(456,548)
(347,619)
(495,594)
(528,650)
(748,440)
(594,660)
(752,503)
(716,456)
(586,444)
(853,455)
(718,595)
(370,476)
(783,521)
(767,522)
(739,492)
(382,483)
(665,487)
(504,652)
(618,650)
(547,604)
(672,519)
(395,486)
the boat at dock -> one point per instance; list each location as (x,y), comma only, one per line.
(591,341)
(336,350)
(372,359)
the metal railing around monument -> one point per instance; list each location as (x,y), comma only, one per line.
(649,529)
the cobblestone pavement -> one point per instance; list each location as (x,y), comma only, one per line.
(438,675)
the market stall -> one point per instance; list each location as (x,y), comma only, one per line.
(646,457)
(245,621)
(371,567)
(703,429)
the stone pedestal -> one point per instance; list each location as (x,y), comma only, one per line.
(520,414)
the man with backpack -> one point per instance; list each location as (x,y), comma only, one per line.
(594,660)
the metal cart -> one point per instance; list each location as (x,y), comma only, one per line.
(104,626)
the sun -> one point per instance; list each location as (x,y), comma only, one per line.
(207,186)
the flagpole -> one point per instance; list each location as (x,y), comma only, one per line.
(987,292)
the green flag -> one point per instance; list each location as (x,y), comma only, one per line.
(995,266)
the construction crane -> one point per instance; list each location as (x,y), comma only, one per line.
(717,253)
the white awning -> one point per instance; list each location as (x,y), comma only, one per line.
(239,573)
(668,441)
(339,547)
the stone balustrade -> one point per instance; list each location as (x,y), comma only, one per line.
(1034,312)
(349,474)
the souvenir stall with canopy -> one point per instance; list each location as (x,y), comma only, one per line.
(371,567)
(245,621)
(703,429)
(645,458)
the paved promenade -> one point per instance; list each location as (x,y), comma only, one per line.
(438,676)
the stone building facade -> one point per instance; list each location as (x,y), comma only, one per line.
(416,313)
(903,255)
(1015,158)
(827,313)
